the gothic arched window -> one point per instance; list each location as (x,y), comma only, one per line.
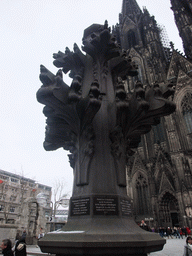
(131,39)
(142,195)
(159,134)
(186,105)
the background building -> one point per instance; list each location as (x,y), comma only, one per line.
(60,216)
(159,174)
(22,203)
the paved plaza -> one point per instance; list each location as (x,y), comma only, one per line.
(173,247)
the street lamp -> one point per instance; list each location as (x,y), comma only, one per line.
(42,199)
(64,201)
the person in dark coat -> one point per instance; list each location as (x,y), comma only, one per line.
(20,248)
(188,247)
(24,234)
(6,247)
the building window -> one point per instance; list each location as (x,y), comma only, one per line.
(13,198)
(14,180)
(41,186)
(159,135)
(48,188)
(188,120)
(12,209)
(131,38)
(4,177)
(186,105)
(142,195)
(31,224)
(1,208)
(10,221)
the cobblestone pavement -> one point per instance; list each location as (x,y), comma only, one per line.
(173,247)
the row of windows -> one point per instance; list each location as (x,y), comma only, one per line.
(9,221)
(44,187)
(24,189)
(11,208)
(3,177)
(12,198)
(13,180)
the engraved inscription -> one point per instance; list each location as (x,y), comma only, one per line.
(126,207)
(105,205)
(80,206)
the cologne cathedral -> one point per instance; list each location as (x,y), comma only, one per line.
(159,175)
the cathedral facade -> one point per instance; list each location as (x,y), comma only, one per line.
(159,175)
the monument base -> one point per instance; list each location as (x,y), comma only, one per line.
(101,236)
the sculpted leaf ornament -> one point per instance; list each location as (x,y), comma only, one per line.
(97,101)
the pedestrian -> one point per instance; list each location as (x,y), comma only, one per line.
(180,232)
(169,232)
(20,248)
(188,247)
(144,226)
(184,231)
(6,247)
(188,231)
(24,234)
(161,231)
(17,237)
(176,232)
(41,234)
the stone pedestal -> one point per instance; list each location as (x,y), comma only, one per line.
(101,225)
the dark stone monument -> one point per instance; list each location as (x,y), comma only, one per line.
(101,125)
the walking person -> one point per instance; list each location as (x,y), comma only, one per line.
(41,234)
(184,231)
(6,247)
(24,234)
(20,248)
(176,232)
(169,232)
(188,247)
(180,232)
(161,231)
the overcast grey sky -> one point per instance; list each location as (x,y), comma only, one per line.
(31,31)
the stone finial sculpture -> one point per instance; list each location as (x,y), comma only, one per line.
(98,122)
(98,80)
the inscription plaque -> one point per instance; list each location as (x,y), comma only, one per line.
(80,206)
(126,207)
(105,205)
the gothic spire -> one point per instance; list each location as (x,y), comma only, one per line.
(182,10)
(130,7)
